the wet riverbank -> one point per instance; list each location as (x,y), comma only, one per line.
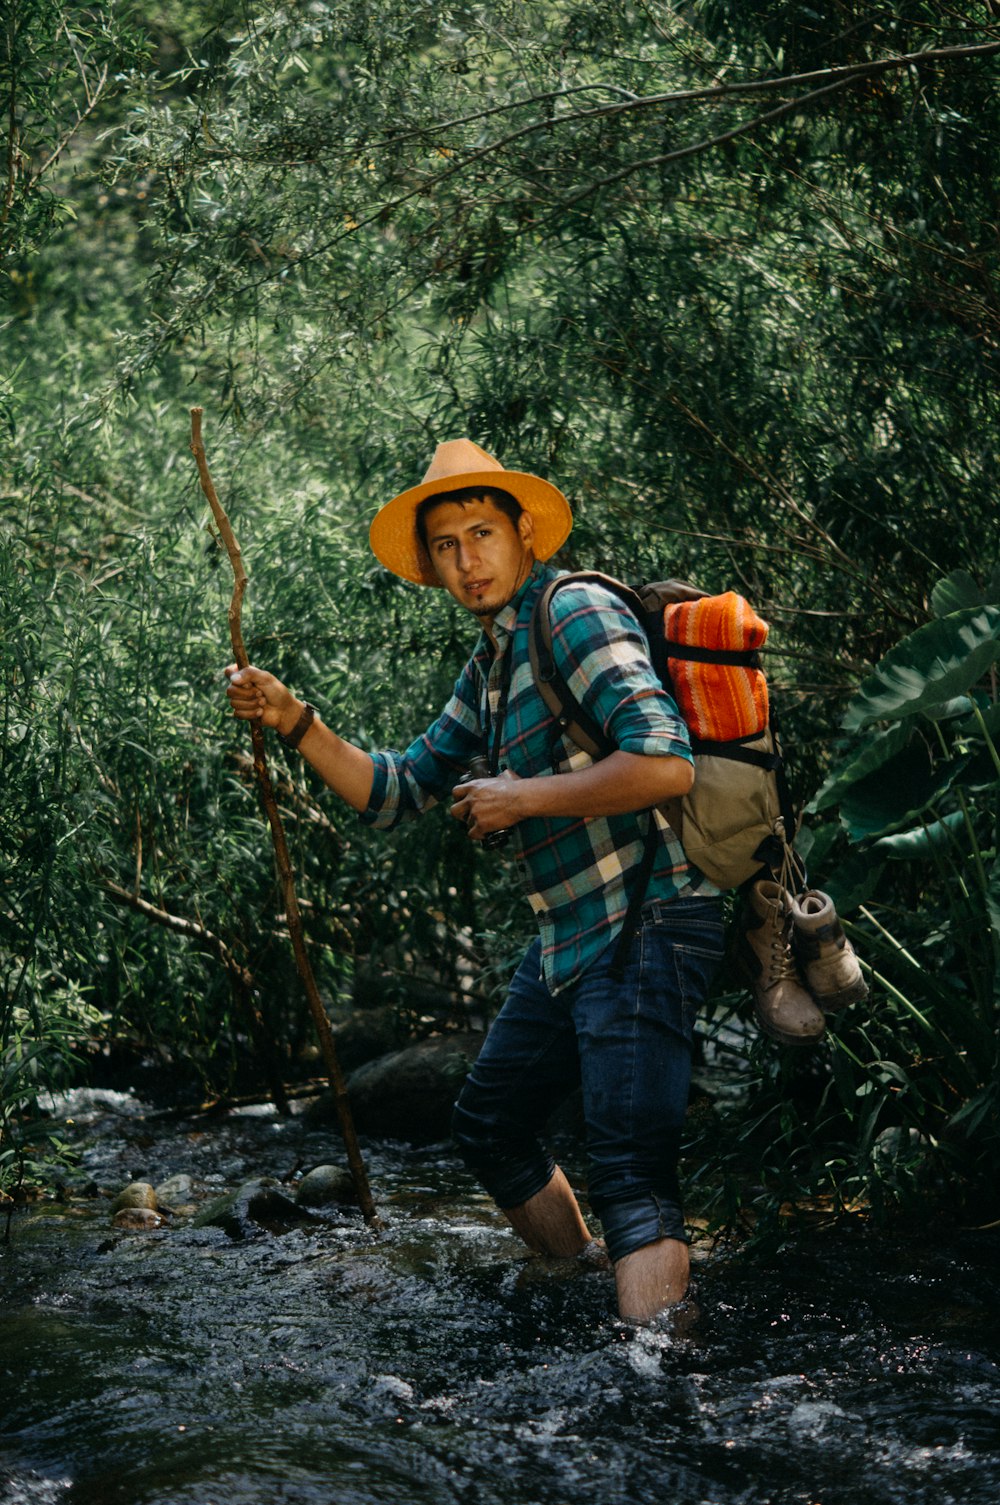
(440,1363)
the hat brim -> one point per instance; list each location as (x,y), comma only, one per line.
(393,532)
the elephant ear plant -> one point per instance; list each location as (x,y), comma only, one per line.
(918,796)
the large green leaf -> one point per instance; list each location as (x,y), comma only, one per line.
(921,841)
(948,709)
(896,795)
(955,592)
(872,754)
(936,663)
(993,897)
(814,843)
(853,881)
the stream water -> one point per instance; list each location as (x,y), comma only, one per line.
(438,1363)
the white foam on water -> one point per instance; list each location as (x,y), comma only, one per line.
(86,1103)
(32,1489)
(815,1418)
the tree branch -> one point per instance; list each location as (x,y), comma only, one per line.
(846,76)
(706,94)
(71,131)
(429,187)
(190,929)
(837,78)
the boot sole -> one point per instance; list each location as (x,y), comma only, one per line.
(856,992)
(783,1037)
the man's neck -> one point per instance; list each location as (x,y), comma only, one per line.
(487,621)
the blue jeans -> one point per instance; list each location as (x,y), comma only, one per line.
(628,1044)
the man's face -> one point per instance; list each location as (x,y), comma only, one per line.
(478,554)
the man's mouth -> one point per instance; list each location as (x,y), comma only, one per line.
(476,587)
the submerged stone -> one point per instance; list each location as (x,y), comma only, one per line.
(255,1206)
(326,1183)
(175,1189)
(136,1194)
(137,1219)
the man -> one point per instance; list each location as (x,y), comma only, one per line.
(585,1006)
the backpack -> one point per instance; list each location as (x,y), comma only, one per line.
(737,821)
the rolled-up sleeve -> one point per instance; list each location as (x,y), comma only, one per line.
(602,653)
(408,783)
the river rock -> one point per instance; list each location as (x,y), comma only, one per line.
(136,1194)
(174,1190)
(256,1205)
(327,1183)
(410,1094)
(137,1219)
(367,1033)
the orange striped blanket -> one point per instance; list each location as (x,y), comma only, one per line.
(718,701)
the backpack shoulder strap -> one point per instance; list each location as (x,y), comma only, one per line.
(585,731)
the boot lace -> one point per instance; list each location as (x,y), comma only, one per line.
(781,963)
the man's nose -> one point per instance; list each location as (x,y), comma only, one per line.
(468,557)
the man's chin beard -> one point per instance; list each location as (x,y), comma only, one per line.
(490,609)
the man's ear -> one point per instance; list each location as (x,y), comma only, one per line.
(526,528)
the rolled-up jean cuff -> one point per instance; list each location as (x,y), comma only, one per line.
(631,1225)
(512,1173)
(514,1191)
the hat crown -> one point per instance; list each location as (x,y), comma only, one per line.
(457,457)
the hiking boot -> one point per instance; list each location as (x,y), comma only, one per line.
(825,956)
(784,1009)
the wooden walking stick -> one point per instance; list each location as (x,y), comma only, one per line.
(322,1023)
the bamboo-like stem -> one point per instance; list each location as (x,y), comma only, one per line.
(282,858)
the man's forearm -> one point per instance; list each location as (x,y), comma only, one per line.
(613,786)
(348,770)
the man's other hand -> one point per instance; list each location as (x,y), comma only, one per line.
(485,805)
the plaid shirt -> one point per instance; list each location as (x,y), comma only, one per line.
(576,869)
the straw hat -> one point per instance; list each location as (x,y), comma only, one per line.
(458,463)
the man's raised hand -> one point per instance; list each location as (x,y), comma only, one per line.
(255,695)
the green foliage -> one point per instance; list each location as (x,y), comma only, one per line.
(63,69)
(38,1054)
(919,803)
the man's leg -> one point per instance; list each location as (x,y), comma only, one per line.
(634,1037)
(653,1278)
(550,1222)
(528,1065)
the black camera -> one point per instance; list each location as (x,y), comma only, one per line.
(479,768)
